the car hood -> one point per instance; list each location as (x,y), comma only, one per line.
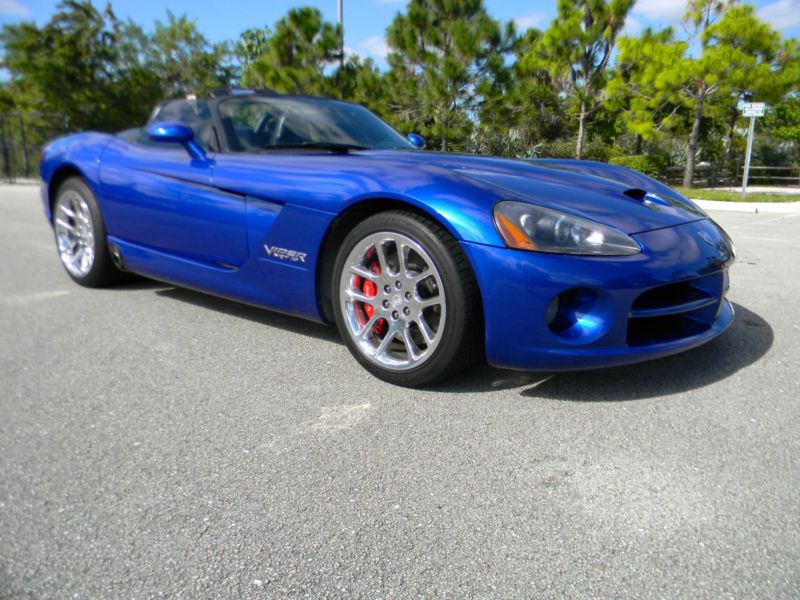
(616,196)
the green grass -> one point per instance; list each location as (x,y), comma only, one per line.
(703,194)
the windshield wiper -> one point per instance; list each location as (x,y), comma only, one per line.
(330,146)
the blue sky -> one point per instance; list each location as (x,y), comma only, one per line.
(366,20)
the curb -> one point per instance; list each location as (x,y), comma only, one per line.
(749,207)
(21,181)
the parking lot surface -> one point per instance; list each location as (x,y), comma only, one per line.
(157,442)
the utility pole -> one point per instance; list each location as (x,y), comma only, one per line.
(341,34)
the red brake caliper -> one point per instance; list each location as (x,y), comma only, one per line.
(371,290)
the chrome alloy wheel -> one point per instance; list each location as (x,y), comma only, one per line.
(393,300)
(74,233)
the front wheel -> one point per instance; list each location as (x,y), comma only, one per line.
(81,236)
(406,302)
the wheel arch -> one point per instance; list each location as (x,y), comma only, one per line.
(343,224)
(59,176)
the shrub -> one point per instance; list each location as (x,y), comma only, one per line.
(595,149)
(639,162)
(771,154)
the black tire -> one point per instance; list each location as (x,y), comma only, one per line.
(102,271)
(461,344)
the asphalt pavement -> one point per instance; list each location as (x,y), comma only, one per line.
(157,442)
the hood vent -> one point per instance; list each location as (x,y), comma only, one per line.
(635,193)
(647,198)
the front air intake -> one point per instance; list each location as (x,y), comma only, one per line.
(675,311)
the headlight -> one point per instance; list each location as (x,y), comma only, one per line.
(530,227)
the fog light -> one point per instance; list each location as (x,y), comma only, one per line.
(552,311)
(579,315)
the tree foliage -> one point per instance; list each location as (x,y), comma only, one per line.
(294,57)
(184,61)
(784,120)
(527,109)
(740,58)
(252,43)
(103,73)
(447,59)
(576,49)
(645,89)
(84,63)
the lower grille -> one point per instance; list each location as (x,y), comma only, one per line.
(674,311)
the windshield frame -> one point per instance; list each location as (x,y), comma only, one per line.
(234,145)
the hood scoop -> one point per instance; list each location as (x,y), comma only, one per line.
(645,197)
(635,193)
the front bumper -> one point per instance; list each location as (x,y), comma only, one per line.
(611,310)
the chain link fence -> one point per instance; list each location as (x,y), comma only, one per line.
(22,137)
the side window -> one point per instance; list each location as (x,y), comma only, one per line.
(248,125)
(191,112)
(254,124)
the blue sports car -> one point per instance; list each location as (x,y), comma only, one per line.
(426,262)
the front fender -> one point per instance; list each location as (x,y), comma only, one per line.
(464,218)
(77,154)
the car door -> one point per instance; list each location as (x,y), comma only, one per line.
(157,196)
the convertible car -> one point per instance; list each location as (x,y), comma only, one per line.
(426,262)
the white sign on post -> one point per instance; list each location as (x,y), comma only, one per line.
(751,110)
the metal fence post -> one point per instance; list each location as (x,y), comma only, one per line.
(24,140)
(9,160)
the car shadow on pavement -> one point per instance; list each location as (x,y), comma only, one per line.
(261,316)
(134,283)
(748,339)
(481,378)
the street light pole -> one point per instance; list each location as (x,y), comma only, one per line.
(341,34)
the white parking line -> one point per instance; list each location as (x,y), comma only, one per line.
(336,418)
(28,298)
(757,223)
(763,239)
(781,218)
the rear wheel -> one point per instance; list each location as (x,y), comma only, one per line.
(406,302)
(81,236)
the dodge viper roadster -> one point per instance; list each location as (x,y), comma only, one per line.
(426,262)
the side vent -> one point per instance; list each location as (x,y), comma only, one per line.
(116,256)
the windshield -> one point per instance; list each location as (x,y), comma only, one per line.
(258,123)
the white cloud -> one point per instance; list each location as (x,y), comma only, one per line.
(661,12)
(13,8)
(782,14)
(525,22)
(374,46)
(633,26)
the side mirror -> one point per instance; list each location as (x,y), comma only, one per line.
(417,140)
(176,133)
